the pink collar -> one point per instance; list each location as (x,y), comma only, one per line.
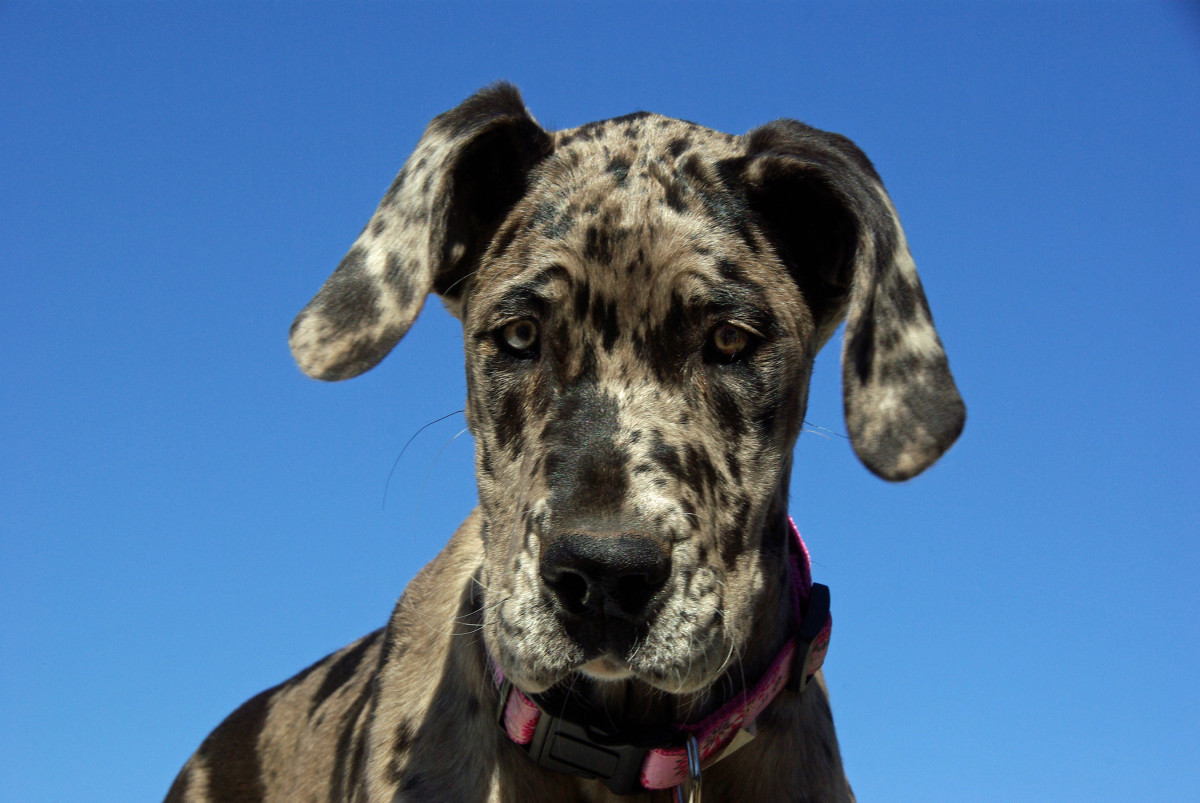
(574,745)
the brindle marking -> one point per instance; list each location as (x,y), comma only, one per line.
(642,300)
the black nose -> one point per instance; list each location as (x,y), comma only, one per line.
(604,575)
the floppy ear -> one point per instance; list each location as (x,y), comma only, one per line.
(428,233)
(831,220)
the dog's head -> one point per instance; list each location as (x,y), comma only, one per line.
(642,300)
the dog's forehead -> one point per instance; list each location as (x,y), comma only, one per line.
(635,207)
(644,155)
(645,130)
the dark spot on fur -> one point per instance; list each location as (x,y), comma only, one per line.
(415,785)
(731,272)
(504,237)
(599,243)
(734,541)
(604,319)
(349,300)
(720,194)
(543,213)
(733,465)
(231,752)
(698,471)
(673,196)
(585,466)
(394,190)
(509,418)
(401,744)
(585,133)
(402,740)
(396,273)
(587,366)
(667,456)
(632,117)
(619,167)
(661,347)
(347,768)
(561,227)
(341,672)
(485,457)
(583,294)
(726,409)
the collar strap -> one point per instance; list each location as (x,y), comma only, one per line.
(573,744)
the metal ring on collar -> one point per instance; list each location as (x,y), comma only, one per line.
(693,781)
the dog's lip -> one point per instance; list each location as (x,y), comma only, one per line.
(606,667)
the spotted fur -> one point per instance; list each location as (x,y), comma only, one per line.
(642,299)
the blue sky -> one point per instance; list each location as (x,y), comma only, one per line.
(185,519)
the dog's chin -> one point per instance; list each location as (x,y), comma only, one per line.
(658,662)
(696,674)
(609,669)
(606,667)
(605,672)
(535,680)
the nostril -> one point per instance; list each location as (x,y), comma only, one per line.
(570,587)
(634,591)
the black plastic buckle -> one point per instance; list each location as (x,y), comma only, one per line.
(816,614)
(566,746)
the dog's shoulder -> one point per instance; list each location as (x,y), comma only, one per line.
(304,717)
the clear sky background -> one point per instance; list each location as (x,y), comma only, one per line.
(185,519)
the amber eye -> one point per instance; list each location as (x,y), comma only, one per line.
(729,341)
(519,336)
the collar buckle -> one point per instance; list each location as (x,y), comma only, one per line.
(562,744)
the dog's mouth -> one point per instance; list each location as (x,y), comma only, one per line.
(606,667)
(656,664)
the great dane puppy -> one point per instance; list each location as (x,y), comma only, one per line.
(627,614)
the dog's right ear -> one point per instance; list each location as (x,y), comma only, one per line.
(428,233)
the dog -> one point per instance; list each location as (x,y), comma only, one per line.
(628,613)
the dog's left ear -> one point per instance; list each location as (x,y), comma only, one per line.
(428,234)
(832,222)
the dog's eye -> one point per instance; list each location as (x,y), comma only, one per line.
(519,337)
(729,342)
